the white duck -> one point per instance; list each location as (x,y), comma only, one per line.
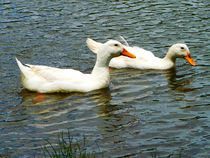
(146,59)
(44,79)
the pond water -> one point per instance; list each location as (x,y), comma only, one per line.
(142,113)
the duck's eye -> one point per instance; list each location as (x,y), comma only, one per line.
(116,45)
(182,47)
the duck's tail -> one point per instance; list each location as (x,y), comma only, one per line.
(23,68)
(123,39)
(93,45)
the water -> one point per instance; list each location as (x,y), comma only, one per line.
(142,113)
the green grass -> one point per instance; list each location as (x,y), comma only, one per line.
(68,148)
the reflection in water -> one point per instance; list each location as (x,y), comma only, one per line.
(55,105)
(101,96)
(178,82)
(49,102)
(65,111)
(33,98)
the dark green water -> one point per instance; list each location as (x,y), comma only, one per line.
(142,113)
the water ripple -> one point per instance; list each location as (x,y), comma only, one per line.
(142,113)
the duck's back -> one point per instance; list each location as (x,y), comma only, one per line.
(53,74)
(140,53)
(144,59)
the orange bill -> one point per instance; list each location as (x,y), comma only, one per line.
(190,59)
(126,53)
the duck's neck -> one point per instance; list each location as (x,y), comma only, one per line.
(102,60)
(101,68)
(170,58)
(100,73)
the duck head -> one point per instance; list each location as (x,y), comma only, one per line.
(111,48)
(181,51)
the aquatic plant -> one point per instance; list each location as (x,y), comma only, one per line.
(68,148)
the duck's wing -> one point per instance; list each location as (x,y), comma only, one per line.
(140,53)
(50,74)
(54,74)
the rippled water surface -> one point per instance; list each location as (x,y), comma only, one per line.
(142,113)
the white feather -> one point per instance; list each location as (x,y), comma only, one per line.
(45,79)
(147,60)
